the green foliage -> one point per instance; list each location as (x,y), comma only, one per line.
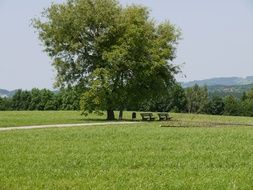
(118,55)
(244,96)
(21,100)
(247,104)
(68,99)
(1,103)
(227,90)
(215,106)
(178,99)
(247,108)
(42,100)
(36,99)
(174,99)
(33,100)
(197,99)
(5,104)
(232,106)
(248,95)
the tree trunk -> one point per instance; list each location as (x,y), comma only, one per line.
(110,115)
(120,115)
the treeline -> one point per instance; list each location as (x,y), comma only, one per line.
(191,100)
(199,101)
(69,99)
(44,99)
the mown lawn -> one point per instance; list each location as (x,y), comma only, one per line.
(27,118)
(22,118)
(142,156)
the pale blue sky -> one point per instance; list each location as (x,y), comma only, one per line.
(217,39)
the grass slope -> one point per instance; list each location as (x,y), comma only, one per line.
(142,156)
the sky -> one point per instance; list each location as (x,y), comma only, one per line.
(217,39)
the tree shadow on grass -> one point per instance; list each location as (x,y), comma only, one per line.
(116,120)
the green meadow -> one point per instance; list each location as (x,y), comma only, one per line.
(28,118)
(185,154)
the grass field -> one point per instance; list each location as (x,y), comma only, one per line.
(21,118)
(27,118)
(138,156)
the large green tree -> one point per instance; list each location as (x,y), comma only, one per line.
(117,55)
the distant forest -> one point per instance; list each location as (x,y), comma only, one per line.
(203,100)
(231,90)
(220,81)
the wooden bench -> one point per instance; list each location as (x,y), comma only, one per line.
(147,116)
(164,116)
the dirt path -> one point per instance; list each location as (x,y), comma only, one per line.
(65,125)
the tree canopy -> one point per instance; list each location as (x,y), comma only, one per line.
(117,55)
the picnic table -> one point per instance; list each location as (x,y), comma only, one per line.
(147,116)
(164,116)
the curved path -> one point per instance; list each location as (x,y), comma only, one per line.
(66,125)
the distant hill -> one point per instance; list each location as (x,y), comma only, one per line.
(224,86)
(233,90)
(223,81)
(6,93)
